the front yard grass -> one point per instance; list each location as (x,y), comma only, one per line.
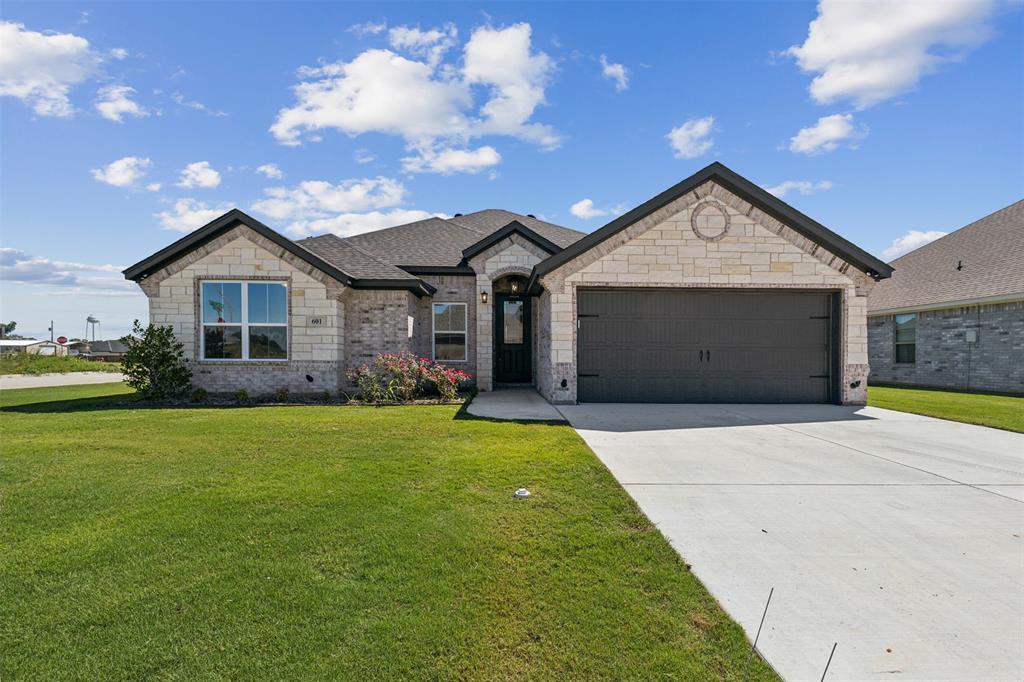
(330,543)
(1000,412)
(27,363)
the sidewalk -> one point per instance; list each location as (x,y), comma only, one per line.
(69,379)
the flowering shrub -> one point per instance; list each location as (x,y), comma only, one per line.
(404,377)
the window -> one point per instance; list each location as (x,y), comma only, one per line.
(244,321)
(906,338)
(512,316)
(450,332)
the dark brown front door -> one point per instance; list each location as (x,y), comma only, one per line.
(511,338)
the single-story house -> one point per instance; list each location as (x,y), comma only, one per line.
(712,291)
(952,315)
(108,351)
(32,347)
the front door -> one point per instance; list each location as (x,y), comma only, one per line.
(512,338)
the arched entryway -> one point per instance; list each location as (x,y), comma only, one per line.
(513,362)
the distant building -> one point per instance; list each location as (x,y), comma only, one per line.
(32,347)
(952,314)
(109,351)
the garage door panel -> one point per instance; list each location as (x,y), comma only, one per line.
(652,345)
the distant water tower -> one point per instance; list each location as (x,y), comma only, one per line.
(92,322)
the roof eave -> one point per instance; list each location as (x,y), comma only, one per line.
(514,227)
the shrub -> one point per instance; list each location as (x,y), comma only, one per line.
(199,395)
(405,377)
(242,396)
(154,363)
(281,395)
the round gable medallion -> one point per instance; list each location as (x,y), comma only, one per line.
(710,221)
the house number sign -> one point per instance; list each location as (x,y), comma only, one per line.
(318,322)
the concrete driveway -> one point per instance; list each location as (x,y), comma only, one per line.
(67,379)
(895,535)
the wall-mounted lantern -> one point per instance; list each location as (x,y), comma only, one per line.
(483,297)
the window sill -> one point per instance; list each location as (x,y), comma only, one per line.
(242,362)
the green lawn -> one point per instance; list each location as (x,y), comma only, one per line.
(1000,412)
(330,543)
(24,363)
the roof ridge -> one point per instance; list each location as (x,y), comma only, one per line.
(959,230)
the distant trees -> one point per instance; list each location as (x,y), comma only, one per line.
(7,328)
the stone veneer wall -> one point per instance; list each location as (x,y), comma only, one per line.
(242,254)
(945,359)
(513,255)
(663,250)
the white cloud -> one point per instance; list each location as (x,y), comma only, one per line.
(125,172)
(40,69)
(180,100)
(914,239)
(270,170)
(153,187)
(345,208)
(18,266)
(868,52)
(584,209)
(367,28)
(805,187)
(114,102)
(188,214)
(431,45)
(119,53)
(450,161)
(425,101)
(364,155)
(827,134)
(692,138)
(615,72)
(199,174)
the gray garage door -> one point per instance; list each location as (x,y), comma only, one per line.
(704,346)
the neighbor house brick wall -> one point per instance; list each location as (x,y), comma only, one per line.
(945,359)
(513,255)
(242,254)
(663,250)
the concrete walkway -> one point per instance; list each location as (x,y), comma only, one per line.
(513,404)
(68,379)
(900,537)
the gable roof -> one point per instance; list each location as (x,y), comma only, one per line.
(981,261)
(491,219)
(514,227)
(742,188)
(234,218)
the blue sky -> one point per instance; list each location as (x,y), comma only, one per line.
(126,125)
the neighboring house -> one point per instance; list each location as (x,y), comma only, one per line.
(32,347)
(108,351)
(952,315)
(712,291)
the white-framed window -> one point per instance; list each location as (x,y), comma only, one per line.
(243,320)
(450,336)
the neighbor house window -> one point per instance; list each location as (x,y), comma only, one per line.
(450,331)
(906,338)
(244,320)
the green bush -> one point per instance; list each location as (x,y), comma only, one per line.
(154,364)
(199,395)
(281,395)
(401,378)
(242,396)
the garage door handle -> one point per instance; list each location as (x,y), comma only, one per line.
(702,356)
(709,355)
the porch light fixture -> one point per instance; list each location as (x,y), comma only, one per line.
(483,297)
(515,287)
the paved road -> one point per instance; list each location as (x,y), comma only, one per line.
(898,536)
(69,379)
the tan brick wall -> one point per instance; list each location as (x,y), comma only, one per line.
(244,255)
(513,255)
(663,250)
(378,321)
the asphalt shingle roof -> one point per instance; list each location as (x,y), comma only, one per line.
(352,260)
(990,252)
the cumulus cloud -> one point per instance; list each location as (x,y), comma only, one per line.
(368,28)
(692,138)
(270,170)
(199,174)
(119,53)
(914,239)
(584,209)
(450,161)
(870,51)
(114,102)
(40,69)
(423,98)
(188,214)
(616,73)
(18,266)
(827,134)
(125,172)
(344,208)
(805,187)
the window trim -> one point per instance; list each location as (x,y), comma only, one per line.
(244,324)
(896,343)
(433,331)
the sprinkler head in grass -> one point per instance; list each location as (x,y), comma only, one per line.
(521,494)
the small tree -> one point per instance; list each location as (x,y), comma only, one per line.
(154,363)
